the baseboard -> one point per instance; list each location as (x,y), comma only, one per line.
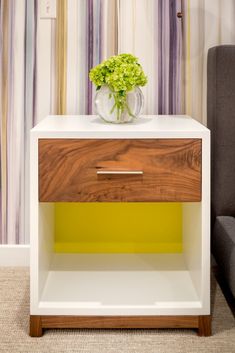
(14,255)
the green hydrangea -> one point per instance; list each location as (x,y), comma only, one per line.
(122,73)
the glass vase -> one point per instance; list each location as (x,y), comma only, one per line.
(115,108)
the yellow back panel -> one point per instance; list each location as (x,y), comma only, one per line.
(118,227)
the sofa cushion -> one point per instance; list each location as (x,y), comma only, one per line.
(221,121)
(223,247)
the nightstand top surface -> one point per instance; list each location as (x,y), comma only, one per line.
(91,126)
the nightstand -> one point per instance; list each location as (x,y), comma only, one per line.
(120,224)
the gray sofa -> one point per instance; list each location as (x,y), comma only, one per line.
(221,122)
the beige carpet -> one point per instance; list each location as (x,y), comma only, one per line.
(14,316)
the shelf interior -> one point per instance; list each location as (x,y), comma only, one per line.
(119,280)
(122,283)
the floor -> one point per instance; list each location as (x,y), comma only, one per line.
(14,317)
(225,290)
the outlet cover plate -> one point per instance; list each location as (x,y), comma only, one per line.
(47,9)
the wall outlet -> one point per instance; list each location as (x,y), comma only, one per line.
(47,9)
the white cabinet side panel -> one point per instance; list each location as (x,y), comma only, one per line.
(192,242)
(33,223)
(45,242)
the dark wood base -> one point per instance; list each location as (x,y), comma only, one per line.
(201,323)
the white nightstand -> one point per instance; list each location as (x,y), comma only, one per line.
(157,159)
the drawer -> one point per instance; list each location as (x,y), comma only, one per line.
(109,170)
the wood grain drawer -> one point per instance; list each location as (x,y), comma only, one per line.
(163,170)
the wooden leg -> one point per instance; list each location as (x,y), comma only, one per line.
(35,326)
(204,325)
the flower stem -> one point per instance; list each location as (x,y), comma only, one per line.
(120,104)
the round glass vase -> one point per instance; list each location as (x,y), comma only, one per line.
(116,109)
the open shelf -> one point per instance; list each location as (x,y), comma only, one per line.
(115,283)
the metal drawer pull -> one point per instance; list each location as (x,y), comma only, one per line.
(124,172)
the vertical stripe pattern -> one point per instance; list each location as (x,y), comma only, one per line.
(169,57)
(12,58)
(101,36)
(4,110)
(31,24)
(61,55)
(152,31)
(207,24)
(45,66)
(90,46)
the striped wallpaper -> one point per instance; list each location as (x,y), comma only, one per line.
(45,65)
(148,29)
(206,23)
(12,129)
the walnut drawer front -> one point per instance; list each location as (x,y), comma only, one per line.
(112,170)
